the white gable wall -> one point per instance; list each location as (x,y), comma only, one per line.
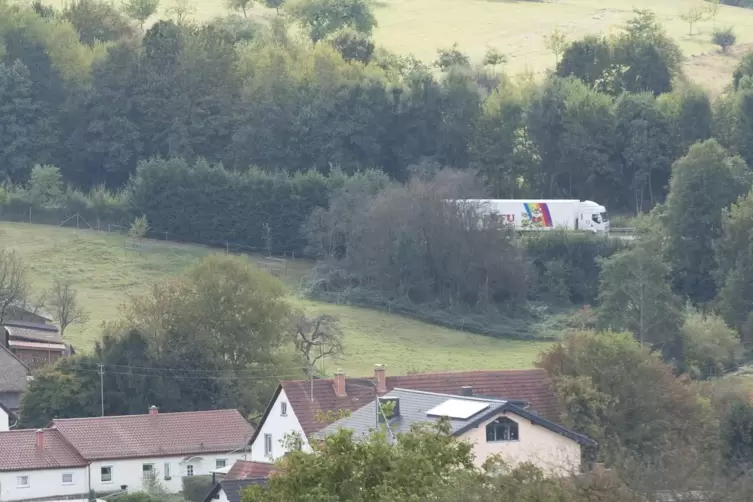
(43,483)
(4,422)
(552,452)
(130,472)
(277,426)
(222,496)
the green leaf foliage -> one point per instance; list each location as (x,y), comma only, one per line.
(260,211)
(321,18)
(635,296)
(704,183)
(607,379)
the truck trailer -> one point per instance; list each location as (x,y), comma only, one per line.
(538,215)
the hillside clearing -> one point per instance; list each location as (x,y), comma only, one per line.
(105,269)
(517,28)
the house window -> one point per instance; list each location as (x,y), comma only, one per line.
(283,409)
(167,470)
(502,429)
(106,474)
(67,478)
(267,445)
(148,471)
(189,470)
(22,481)
(220,463)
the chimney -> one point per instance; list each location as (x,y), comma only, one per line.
(40,440)
(339,384)
(153,410)
(380,376)
(466,390)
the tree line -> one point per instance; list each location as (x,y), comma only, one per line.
(88,93)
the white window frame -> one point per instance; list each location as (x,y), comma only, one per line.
(101,478)
(268,445)
(217,463)
(19,484)
(189,470)
(283,409)
(67,474)
(167,471)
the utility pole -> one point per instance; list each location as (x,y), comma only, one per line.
(102,388)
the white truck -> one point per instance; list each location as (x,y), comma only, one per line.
(536,214)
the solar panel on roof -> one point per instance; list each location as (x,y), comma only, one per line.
(458,408)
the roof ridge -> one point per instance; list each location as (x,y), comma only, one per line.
(169,413)
(432,373)
(450,396)
(457,372)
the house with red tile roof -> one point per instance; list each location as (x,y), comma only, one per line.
(39,464)
(302,407)
(108,454)
(131,450)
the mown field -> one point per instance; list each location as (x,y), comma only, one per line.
(105,269)
(517,28)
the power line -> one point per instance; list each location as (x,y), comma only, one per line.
(256,371)
(174,374)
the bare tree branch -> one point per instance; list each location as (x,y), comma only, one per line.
(66,308)
(316,338)
(14,287)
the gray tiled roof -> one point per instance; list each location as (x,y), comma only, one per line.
(33,332)
(414,405)
(13,373)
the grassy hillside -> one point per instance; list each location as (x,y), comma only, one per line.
(517,28)
(105,269)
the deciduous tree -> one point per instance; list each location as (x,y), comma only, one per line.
(321,18)
(635,296)
(64,301)
(704,183)
(14,285)
(693,15)
(724,38)
(607,379)
(141,10)
(21,120)
(556,42)
(316,338)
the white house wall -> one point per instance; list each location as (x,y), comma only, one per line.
(4,421)
(129,472)
(43,483)
(552,452)
(278,426)
(222,496)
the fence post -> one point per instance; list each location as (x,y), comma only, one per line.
(227,247)
(165,234)
(29,214)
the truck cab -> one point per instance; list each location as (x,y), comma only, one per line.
(593,217)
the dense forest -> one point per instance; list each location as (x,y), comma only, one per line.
(324,145)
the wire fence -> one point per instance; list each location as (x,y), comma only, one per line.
(277,265)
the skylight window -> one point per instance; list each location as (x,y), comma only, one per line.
(459,409)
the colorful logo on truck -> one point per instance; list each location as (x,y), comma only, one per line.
(536,216)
